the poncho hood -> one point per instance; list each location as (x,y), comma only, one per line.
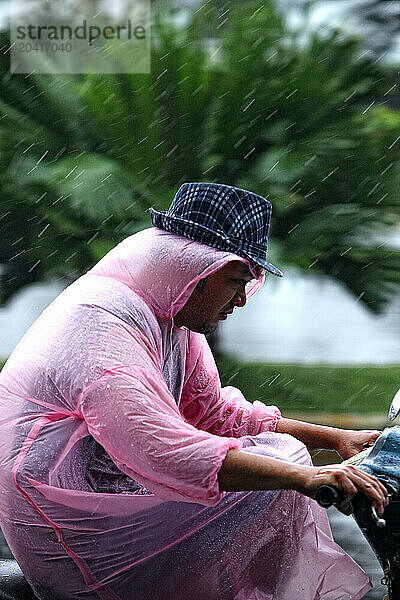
(164,268)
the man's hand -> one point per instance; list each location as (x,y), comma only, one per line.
(350,480)
(350,442)
(347,442)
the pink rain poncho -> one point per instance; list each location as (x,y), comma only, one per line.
(113,427)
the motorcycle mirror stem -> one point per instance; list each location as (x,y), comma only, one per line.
(394,409)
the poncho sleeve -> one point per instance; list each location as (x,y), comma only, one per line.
(222,411)
(132,414)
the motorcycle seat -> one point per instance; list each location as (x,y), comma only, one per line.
(13,585)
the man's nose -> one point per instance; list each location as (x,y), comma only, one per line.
(240,298)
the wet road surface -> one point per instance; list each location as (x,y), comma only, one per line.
(349,537)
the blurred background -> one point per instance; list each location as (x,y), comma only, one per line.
(296,100)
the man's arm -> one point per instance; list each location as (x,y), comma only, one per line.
(347,442)
(244,471)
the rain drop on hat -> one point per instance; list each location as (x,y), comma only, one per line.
(221,216)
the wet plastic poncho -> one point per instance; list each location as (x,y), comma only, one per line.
(113,427)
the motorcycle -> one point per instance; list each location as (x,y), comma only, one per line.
(382,534)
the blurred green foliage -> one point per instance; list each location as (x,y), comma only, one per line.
(313,389)
(234,98)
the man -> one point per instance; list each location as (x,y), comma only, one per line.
(127,473)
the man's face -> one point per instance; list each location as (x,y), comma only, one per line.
(214,298)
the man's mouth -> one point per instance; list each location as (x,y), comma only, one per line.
(224,314)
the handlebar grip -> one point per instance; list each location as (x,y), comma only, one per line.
(327,495)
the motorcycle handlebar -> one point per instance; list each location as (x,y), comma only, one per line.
(327,495)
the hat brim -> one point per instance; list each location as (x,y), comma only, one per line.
(199,233)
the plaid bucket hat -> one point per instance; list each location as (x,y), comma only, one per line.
(221,216)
